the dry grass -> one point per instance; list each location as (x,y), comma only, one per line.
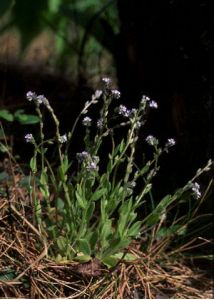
(26,271)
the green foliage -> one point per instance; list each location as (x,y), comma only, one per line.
(19,116)
(28,18)
(82,28)
(87,212)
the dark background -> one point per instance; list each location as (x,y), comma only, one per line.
(163,49)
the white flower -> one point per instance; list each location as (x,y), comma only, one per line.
(31,96)
(40,99)
(123,111)
(92,163)
(115,94)
(153,104)
(86,121)
(196,190)
(29,138)
(169,143)
(63,139)
(106,80)
(151,140)
(91,166)
(132,184)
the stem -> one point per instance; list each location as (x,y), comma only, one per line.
(41,134)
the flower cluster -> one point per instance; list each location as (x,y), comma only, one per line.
(90,162)
(196,190)
(146,100)
(87,121)
(125,112)
(115,94)
(151,140)
(29,138)
(63,139)
(38,99)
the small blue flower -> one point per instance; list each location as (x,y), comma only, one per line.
(153,104)
(31,96)
(115,94)
(63,139)
(151,140)
(29,138)
(123,111)
(87,121)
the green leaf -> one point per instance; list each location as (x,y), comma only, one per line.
(110,261)
(53,5)
(134,229)
(172,230)
(89,212)
(6,115)
(7,275)
(98,194)
(62,243)
(80,200)
(3,148)
(159,210)
(125,211)
(122,146)
(164,203)
(25,119)
(33,164)
(106,231)
(115,246)
(153,219)
(60,204)
(82,258)
(84,247)
(65,164)
(93,238)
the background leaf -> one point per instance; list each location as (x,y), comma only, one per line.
(29,18)
(6,115)
(4,6)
